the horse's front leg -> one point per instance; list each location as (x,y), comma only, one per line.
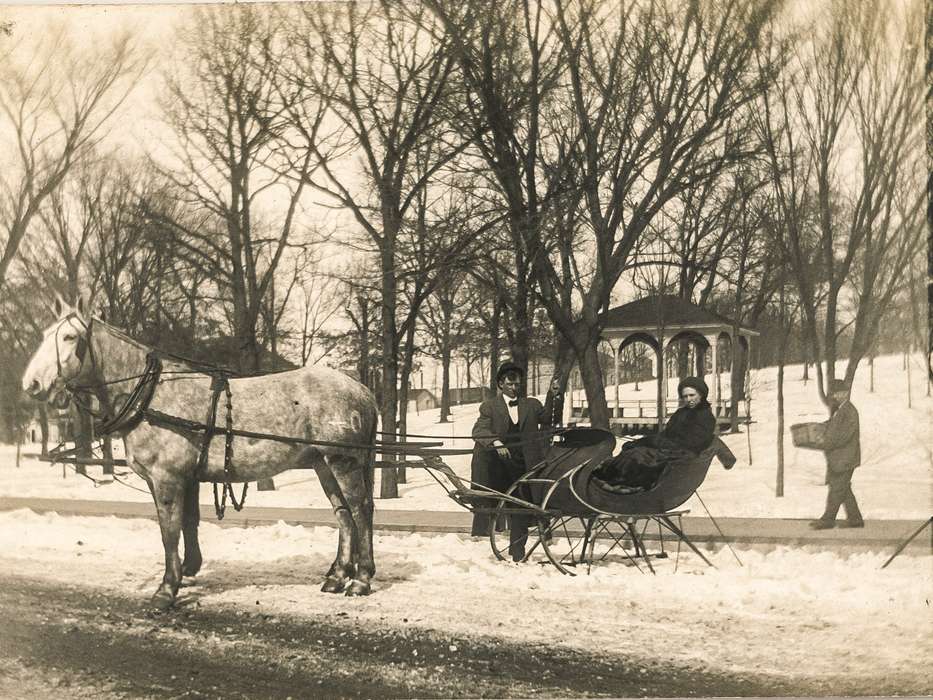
(169,496)
(191,518)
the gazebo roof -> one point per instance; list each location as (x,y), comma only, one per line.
(670,311)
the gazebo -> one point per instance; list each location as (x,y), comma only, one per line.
(683,339)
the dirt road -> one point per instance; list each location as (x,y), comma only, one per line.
(68,641)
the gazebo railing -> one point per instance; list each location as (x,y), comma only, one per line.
(631,410)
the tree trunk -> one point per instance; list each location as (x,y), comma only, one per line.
(495,328)
(401,476)
(389,484)
(737,379)
(44,427)
(591,374)
(248,350)
(519,347)
(363,362)
(408,360)
(83,437)
(782,346)
(445,381)
(806,351)
(564,360)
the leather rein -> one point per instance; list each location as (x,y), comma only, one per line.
(135,409)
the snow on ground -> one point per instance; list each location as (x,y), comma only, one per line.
(788,612)
(894,481)
(832,615)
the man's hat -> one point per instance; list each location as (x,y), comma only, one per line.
(838,385)
(508,368)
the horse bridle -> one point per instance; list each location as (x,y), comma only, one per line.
(83,343)
(133,409)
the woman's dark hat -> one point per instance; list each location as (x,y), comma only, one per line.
(508,368)
(838,385)
(693,383)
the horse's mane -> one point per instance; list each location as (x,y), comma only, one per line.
(196,365)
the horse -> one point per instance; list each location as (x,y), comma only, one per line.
(164,408)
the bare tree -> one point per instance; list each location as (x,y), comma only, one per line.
(56,108)
(320,302)
(233,161)
(390,102)
(856,88)
(630,109)
(447,315)
(509,66)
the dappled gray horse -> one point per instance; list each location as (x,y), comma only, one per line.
(157,403)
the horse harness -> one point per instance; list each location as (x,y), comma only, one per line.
(136,409)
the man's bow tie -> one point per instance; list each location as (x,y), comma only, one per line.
(513,402)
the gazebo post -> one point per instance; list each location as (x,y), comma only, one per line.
(662,382)
(734,350)
(617,412)
(713,341)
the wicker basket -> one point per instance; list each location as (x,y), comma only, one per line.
(808,435)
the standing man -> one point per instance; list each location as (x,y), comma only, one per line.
(554,402)
(843,455)
(508,443)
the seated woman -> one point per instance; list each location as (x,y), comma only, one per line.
(687,433)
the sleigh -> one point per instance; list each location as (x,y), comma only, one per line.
(578,522)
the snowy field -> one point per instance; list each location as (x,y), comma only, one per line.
(838,621)
(894,481)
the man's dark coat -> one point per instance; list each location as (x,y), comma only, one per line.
(841,440)
(493,424)
(843,454)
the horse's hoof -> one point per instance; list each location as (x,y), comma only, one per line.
(358,587)
(332,584)
(162,601)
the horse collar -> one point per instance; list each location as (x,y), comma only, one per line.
(134,409)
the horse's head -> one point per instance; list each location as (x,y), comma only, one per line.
(59,359)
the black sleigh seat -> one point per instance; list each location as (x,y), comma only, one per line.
(584,494)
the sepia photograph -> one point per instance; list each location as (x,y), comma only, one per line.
(466,348)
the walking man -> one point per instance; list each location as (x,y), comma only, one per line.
(843,455)
(508,443)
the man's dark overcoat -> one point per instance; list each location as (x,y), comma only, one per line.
(488,469)
(493,424)
(843,454)
(554,408)
(841,441)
